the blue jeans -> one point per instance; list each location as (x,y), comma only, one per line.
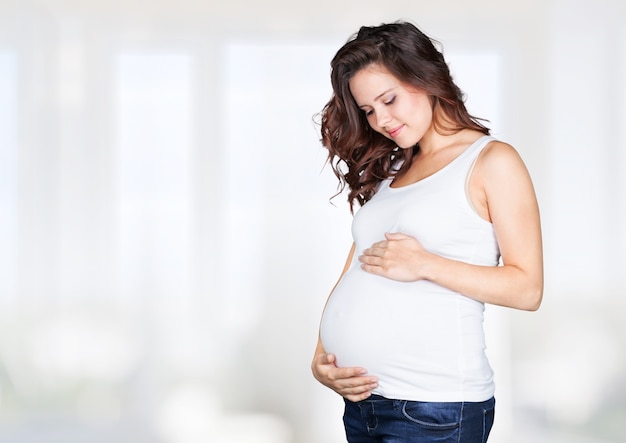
(380,420)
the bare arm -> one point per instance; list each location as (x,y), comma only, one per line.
(502,190)
(351,383)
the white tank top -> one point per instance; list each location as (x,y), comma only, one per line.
(424,342)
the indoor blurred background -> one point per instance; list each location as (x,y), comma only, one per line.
(166,237)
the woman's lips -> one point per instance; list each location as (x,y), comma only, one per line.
(395,131)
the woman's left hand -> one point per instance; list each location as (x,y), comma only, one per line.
(399,257)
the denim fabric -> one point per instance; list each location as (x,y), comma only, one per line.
(380,420)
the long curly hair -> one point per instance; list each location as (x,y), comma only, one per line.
(359,156)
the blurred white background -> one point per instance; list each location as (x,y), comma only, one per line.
(166,239)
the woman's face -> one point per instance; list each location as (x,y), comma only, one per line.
(396,110)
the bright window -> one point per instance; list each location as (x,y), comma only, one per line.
(8,176)
(153,99)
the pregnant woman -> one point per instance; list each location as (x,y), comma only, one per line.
(448,221)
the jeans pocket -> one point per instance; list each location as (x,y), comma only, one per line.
(488,419)
(435,416)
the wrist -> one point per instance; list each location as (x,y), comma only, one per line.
(430,265)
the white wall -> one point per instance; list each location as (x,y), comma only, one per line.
(166,240)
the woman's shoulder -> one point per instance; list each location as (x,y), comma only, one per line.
(499,161)
(497,152)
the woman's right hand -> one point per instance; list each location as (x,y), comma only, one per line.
(351,383)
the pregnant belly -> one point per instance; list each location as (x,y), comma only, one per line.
(382,325)
(421,341)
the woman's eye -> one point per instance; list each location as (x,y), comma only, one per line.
(369,112)
(390,101)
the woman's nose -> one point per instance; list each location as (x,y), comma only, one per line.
(382,118)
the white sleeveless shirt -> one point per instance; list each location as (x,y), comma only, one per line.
(424,342)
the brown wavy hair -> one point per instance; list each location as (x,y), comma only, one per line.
(359,156)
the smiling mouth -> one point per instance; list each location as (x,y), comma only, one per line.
(395,131)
